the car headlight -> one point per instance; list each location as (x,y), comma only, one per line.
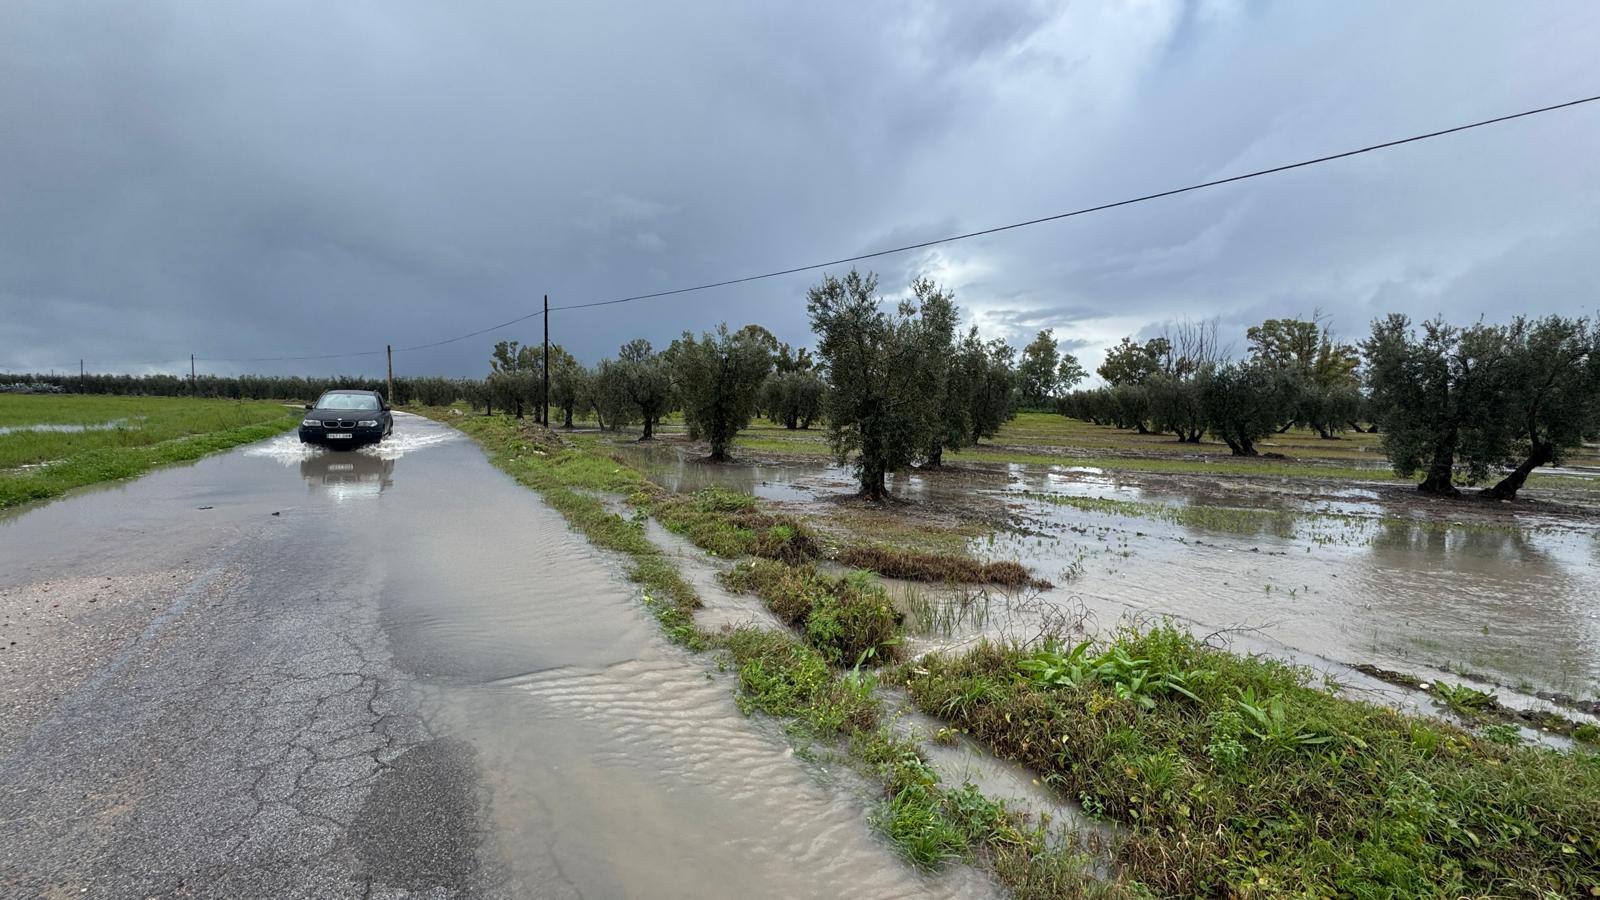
(311,423)
(367,423)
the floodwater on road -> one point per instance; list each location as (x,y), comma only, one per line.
(393,669)
(1340,573)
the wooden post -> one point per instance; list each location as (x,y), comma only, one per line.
(546,403)
(388,350)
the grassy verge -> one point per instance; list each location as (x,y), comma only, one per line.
(731,525)
(126,437)
(1237,777)
(930,822)
(848,618)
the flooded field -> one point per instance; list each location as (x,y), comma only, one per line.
(1348,574)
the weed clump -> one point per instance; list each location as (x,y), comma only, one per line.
(944,568)
(1234,776)
(730,524)
(849,618)
(782,677)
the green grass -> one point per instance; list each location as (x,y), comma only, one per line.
(931,823)
(150,432)
(1236,776)
(730,525)
(848,619)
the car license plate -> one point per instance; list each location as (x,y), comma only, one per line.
(335,437)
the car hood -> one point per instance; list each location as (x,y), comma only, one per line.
(358,415)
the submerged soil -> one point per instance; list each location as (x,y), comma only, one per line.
(1327,570)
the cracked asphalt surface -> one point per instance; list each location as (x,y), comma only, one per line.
(285,674)
(248,735)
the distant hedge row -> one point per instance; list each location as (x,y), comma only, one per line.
(431,391)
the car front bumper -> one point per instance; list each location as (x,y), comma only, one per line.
(341,437)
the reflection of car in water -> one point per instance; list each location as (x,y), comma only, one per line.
(344,419)
(348,473)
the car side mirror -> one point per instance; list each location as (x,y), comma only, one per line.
(309,406)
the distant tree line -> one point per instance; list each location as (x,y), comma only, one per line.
(244,387)
(1454,404)
(897,385)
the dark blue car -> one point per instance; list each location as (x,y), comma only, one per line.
(345,419)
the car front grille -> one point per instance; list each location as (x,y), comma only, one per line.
(339,423)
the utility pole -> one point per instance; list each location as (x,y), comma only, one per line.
(547,360)
(193,387)
(80,370)
(388,350)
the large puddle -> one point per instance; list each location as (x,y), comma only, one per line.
(68,428)
(1341,576)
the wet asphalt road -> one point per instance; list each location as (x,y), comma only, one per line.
(230,740)
(280,674)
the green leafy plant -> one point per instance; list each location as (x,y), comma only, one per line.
(1225,749)
(1464,700)
(1503,733)
(1267,720)
(1128,678)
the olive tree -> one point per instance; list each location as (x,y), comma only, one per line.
(1130,407)
(645,385)
(1242,403)
(513,377)
(607,396)
(877,408)
(1438,395)
(1552,385)
(1175,405)
(985,384)
(569,384)
(718,380)
(944,389)
(793,399)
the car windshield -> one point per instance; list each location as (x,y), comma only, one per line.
(348,401)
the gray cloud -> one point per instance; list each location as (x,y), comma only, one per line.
(241,182)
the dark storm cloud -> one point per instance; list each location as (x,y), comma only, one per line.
(258,180)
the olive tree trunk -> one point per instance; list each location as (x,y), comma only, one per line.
(1543,453)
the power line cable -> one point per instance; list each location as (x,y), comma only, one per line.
(997,229)
(1085,210)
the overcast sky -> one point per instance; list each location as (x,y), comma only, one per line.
(237,179)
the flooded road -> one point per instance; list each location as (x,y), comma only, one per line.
(281,672)
(1341,574)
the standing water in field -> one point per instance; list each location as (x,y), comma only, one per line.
(1336,572)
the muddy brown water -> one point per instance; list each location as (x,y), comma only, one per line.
(601,761)
(1342,576)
